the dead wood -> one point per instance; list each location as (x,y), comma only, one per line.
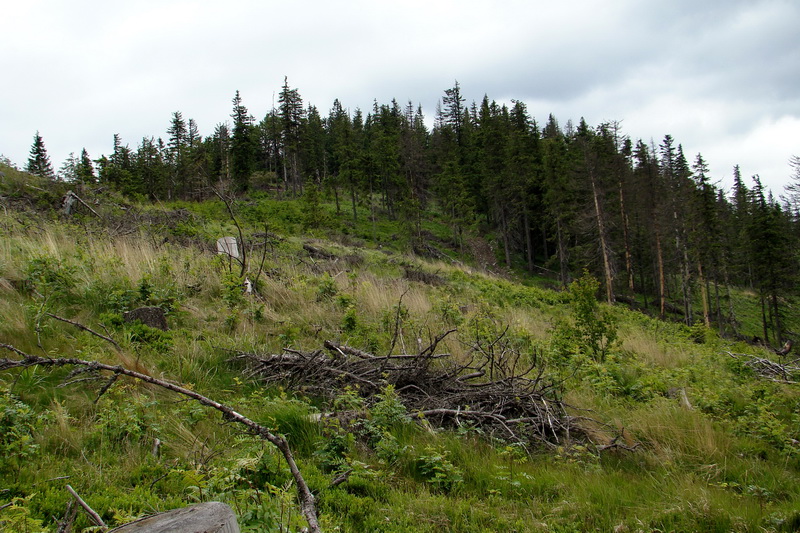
(413,274)
(228,201)
(91,512)
(84,328)
(319,253)
(780,373)
(517,403)
(69,199)
(304,495)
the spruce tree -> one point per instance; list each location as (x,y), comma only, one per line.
(176,155)
(243,145)
(793,188)
(39,162)
(85,169)
(291,115)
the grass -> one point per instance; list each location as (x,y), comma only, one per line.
(727,464)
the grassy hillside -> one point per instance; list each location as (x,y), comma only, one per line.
(668,432)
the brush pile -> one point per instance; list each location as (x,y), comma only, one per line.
(779,372)
(498,391)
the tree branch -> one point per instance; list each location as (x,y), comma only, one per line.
(84,328)
(305,497)
(91,512)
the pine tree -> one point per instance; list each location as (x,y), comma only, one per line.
(557,198)
(793,188)
(704,237)
(524,175)
(290,110)
(118,169)
(313,157)
(68,171)
(219,150)
(243,145)
(414,167)
(153,172)
(176,155)
(85,169)
(39,162)
(772,256)
(341,149)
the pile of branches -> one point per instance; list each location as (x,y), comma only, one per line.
(493,391)
(772,370)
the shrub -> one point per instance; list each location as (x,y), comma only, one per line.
(435,468)
(50,277)
(18,425)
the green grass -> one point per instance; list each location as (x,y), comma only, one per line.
(730,463)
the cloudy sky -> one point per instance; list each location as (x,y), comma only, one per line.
(720,76)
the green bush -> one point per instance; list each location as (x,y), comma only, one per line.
(435,468)
(18,427)
(51,277)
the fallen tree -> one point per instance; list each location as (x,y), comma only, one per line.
(504,394)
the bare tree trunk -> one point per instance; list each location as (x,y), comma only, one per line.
(626,238)
(353,198)
(609,276)
(704,294)
(506,245)
(562,254)
(731,311)
(528,239)
(662,293)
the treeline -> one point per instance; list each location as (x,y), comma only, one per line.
(648,223)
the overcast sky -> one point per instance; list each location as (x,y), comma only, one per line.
(720,76)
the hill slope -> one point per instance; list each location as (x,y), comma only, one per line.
(662,428)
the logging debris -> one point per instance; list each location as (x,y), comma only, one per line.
(778,372)
(497,390)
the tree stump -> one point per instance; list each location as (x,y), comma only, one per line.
(149,316)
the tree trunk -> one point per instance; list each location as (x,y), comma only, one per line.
(626,238)
(528,239)
(609,278)
(353,198)
(704,294)
(506,245)
(662,296)
(562,254)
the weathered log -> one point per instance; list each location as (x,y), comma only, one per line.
(209,517)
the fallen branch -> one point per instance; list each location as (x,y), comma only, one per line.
(84,328)
(65,525)
(91,512)
(305,497)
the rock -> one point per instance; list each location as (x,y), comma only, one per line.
(149,316)
(210,517)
